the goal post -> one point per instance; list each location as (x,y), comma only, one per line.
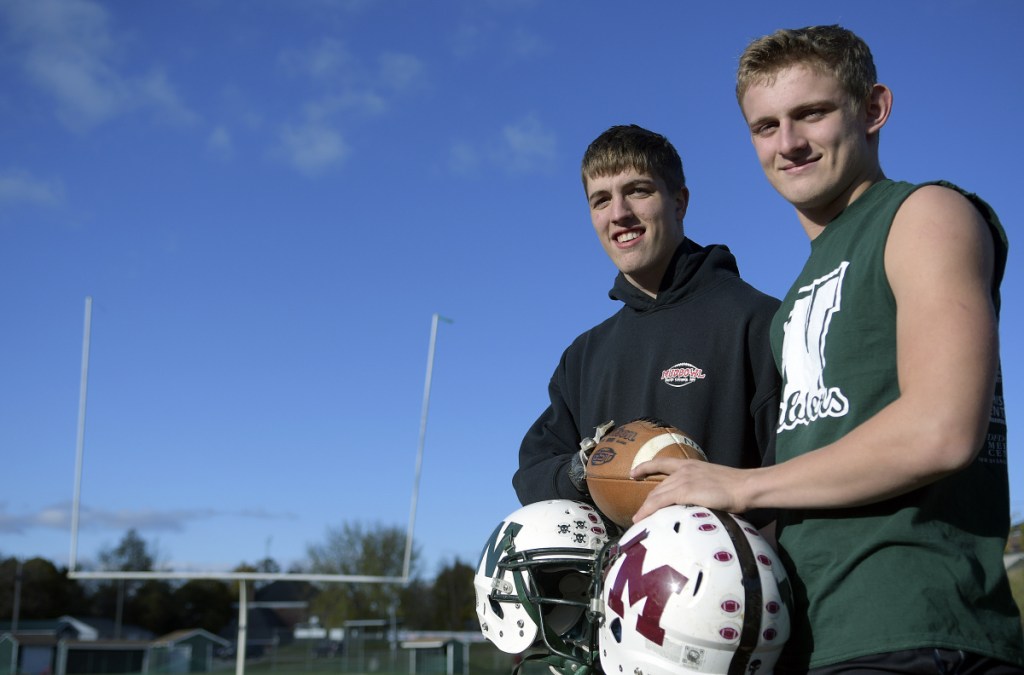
(243,578)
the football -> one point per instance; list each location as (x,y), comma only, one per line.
(616,494)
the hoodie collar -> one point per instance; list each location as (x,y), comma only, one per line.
(692,270)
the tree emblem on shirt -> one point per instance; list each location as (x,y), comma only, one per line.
(806,396)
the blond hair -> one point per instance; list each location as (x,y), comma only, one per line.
(832,50)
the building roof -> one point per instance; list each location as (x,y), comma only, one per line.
(35,626)
(285,591)
(31,639)
(107,628)
(184,634)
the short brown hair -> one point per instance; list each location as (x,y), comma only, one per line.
(629,146)
(833,50)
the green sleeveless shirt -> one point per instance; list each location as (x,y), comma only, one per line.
(921,570)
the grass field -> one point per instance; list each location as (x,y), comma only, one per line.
(484,658)
(298,659)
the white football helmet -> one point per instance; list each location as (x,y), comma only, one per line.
(538,579)
(690,589)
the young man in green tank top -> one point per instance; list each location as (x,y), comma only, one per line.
(891,481)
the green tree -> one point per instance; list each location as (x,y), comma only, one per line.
(250,590)
(417,604)
(132,554)
(115,599)
(203,603)
(265,566)
(43,591)
(353,549)
(268,565)
(454,598)
(151,607)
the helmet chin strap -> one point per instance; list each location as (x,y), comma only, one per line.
(558,664)
(564,662)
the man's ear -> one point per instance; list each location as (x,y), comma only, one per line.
(877,108)
(682,201)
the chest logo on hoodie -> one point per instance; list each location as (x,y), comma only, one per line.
(682,374)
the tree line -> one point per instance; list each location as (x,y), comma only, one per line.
(37,589)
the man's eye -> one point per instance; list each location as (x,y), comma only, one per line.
(763,130)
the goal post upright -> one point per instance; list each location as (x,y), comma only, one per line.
(80,436)
(419,450)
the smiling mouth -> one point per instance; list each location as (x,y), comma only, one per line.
(799,165)
(627,236)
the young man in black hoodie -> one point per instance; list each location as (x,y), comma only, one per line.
(689,346)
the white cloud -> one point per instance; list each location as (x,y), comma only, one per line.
(400,72)
(19,186)
(155,90)
(329,59)
(463,158)
(342,86)
(347,5)
(511,5)
(345,84)
(58,516)
(68,51)
(494,39)
(467,39)
(362,102)
(312,147)
(527,146)
(219,143)
(525,44)
(50,517)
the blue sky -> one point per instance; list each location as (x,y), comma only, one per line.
(267,202)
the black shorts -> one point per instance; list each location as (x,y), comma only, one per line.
(916,661)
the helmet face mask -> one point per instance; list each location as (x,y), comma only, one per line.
(537,580)
(690,589)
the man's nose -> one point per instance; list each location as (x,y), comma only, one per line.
(790,139)
(620,208)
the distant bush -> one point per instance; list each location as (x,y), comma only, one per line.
(1016,575)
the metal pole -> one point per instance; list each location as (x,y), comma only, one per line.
(16,611)
(119,612)
(419,451)
(243,621)
(80,444)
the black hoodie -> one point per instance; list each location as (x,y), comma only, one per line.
(697,357)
